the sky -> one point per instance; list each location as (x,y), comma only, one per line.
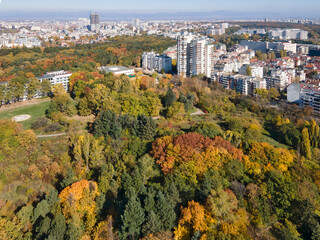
(162,5)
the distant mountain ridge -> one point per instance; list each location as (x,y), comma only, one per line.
(125,15)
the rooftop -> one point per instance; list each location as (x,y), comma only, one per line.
(115,68)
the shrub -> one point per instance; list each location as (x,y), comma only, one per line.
(54,127)
(40,123)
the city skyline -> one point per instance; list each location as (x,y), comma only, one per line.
(162,6)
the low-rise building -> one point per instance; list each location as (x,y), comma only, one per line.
(117,70)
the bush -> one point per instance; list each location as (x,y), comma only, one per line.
(54,127)
(208,129)
(40,123)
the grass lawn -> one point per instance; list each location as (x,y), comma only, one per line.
(271,141)
(35,111)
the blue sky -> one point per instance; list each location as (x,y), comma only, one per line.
(164,5)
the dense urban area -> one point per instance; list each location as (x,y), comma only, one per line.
(159,130)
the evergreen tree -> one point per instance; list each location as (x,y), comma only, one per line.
(145,127)
(58,227)
(132,219)
(69,179)
(196,235)
(170,98)
(107,125)
(73,232)
(165,212)
(152,225)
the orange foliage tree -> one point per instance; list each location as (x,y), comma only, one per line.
(202,152)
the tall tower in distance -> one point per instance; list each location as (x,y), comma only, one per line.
(94,22)
(136,23)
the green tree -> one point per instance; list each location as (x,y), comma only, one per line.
(170,98)
(58,227)
(152,224)
(165,212)
(145,127)
(107,125)
(132,219)
(45,87)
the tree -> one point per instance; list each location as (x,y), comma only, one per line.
(152,224)
(2,93)
(58,89)
(207,129)
(249,71)
(187,101)
(176,112)
(283,53)
(170,98)
(58,227)
(62,103)
(17,87)
(33,87)
(41,210)
(165,212)
(87,149)
(45,87)
(107,125)
(145,127)
(132,219)
(147,168)
(305,144)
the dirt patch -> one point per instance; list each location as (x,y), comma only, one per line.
(21,118)
(82,119)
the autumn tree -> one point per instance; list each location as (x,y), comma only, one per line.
(305,144)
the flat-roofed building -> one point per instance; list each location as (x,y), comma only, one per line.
(117,70)
(58,77)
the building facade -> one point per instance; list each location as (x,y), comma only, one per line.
(94,22)
(58,77)
(156,62)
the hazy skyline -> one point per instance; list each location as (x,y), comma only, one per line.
(164,5)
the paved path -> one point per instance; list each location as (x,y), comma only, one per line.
(51,135)
(197,112)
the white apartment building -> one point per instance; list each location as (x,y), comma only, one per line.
(183,60)
(278,79)
(288,34)
(201,57)
(306,94)
(58,77)
(148,60)
(156,62)
(194,55)
(243,84)
(256,71)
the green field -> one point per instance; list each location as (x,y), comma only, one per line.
(35,111)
